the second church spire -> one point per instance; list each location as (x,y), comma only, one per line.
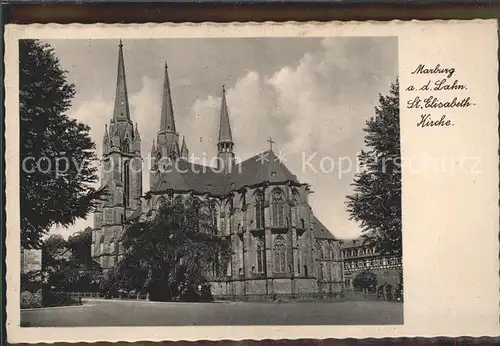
(167,110)
(168,138)
(225,144)
(121,110)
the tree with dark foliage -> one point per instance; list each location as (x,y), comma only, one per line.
(376,200)
(53,249)
(56,151)
(366,281)
(68,265)
(83,273)
(80,245)
(173,254)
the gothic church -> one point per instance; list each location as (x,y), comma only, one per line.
(279,248)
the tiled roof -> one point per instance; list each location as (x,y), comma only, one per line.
(189,177)
(349,243)
(263,167)
(202,179)
(360,241)
(320,231)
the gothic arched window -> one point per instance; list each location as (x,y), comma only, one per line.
(222,223)
(331,252)
(158,161)
(101,245)
(259,210)
(278,208)
(173,154)
(299,255)
(295,205)
(215,266)
(126,183)
(126,146)
(321,272)
(279,250)
(321,252)
(213,214)
(260,256)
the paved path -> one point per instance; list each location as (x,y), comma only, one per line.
(142,313)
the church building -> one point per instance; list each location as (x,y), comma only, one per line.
(278,246)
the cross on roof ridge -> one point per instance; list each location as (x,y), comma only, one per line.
(271,142)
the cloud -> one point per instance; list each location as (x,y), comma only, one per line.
(326,99)
(316,107)
(185,82)
(145,108)
(249,114)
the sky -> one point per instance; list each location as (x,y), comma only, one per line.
(312,96)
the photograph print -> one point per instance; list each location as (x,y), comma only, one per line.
(210,181)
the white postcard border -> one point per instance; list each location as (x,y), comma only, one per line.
(430,253)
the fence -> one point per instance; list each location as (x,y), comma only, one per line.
(119,295)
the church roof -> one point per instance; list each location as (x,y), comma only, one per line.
(262,167)
(188,176)
(320,231)
(265,167)
(362,240)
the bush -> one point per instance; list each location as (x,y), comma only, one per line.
(206,293)
(31,282)
(51,298)
(108,287)
(31,300)
(366,280)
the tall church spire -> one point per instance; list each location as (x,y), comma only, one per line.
(121,110)
(224,125)
(225,145)
(167,111)
(168,138)
(121,173)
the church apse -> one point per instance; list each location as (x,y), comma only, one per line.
(261,208)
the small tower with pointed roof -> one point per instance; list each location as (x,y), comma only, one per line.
(137,139)
(121,174)
(225,144)
(105,141)
(184,149)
